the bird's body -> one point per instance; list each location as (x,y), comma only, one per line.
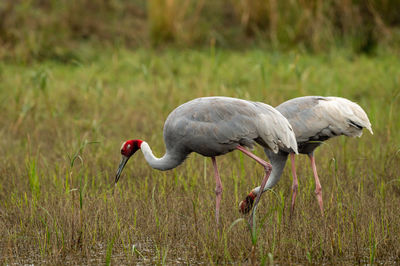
(315,119)
(213,126)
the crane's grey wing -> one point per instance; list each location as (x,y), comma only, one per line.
(211,125)
(215,125)
(320,118)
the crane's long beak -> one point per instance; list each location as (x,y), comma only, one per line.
(121,166)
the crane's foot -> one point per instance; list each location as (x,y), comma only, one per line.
(246,205)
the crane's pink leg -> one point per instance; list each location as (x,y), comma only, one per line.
(245,206)
(295,184)
(318,188)
(218,189)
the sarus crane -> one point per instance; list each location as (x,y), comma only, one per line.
(213,126)
(314,119)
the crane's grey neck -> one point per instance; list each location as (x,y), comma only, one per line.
(168,161)
(278,161)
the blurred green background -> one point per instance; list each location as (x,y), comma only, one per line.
(64,29)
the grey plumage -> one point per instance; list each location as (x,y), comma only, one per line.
(213,126)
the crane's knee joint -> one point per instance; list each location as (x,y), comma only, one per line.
(318,190)
(218,190)
(268,168)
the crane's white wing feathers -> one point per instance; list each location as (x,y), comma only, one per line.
(316,117)
(348,115)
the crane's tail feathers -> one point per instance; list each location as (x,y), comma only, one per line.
(291,143)
(274,129)
(293,146)
(345,112)
(370,129)
(360,128)
(291,138)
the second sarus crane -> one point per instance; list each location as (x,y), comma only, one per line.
(314,119)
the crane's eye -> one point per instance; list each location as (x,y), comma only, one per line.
(128,147)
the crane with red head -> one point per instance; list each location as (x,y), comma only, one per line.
(213,126)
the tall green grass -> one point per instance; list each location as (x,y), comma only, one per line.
(57,202)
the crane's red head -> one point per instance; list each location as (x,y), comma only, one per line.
(128,148)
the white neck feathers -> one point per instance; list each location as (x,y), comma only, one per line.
(168,161)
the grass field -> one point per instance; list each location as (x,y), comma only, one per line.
(62,126)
